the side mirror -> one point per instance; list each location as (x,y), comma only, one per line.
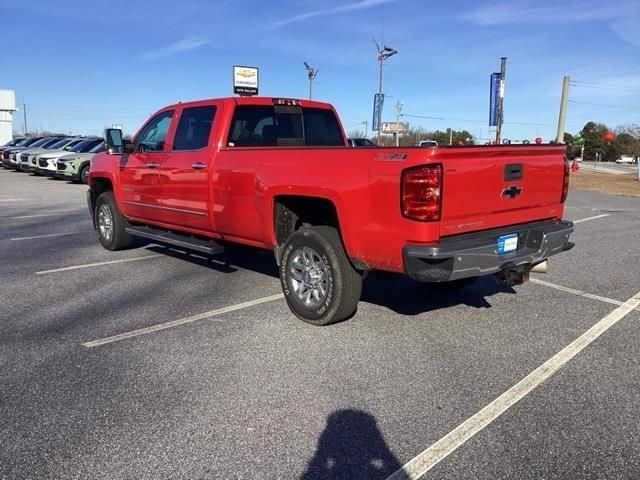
(113,141)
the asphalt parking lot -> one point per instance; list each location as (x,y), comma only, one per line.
(153,363)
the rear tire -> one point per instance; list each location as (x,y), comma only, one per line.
(319,283)
(110,224)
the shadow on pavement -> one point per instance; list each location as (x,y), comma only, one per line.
(351,447)
(396,292)
(408,297)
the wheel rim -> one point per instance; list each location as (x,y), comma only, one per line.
(105,222)
(308,277)
(85,175)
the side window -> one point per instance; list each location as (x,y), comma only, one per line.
(263,126)
(152,136)
(194,128)
(321,128)
(250,124)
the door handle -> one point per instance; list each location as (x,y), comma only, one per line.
(153,164)
(198,165)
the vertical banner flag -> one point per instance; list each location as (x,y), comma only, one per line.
(494,94)
(378,100)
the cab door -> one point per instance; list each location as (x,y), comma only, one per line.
(185,175)
(140,169)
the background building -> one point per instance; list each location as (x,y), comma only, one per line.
(7,107)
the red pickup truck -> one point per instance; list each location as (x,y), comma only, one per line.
(278,174)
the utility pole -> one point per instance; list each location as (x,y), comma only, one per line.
(563,109)
(366,128)
(383,53)
(500,106)
(450,136)
(311,74)
(24,111)
(399,105)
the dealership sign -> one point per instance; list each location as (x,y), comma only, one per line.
(245,80)
(395,127)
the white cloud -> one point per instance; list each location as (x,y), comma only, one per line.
(524,12)
(628,29)
(623,18)
(350,7)
(183,45)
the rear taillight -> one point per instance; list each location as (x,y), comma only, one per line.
(565,181)
(422,192)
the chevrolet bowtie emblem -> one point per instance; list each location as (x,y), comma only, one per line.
(512,192)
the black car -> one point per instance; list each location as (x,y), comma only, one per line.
(8,153)
(360,142)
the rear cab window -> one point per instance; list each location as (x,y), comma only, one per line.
(284,126)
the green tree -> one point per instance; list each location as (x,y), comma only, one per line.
(592,133)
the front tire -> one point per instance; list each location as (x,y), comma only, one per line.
(83,176)
(110,223)
(319,283)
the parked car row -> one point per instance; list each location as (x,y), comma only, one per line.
(57,156)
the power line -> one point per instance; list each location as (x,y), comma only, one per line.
(602,86)
(469,120)
(603,105)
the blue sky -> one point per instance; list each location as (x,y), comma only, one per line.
(83,64)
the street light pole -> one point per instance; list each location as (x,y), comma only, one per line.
(399,105)
(383,53)
(311,74)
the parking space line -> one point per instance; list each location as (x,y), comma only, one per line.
(576,292)
(97,264)
(181,321)
(592,218)
(48,235)
(70,212)
(13,199)
(430,457)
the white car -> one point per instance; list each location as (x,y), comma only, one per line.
(47,163)
(628,159)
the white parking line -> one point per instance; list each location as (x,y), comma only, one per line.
(576,292)
(592,218)
(48,235)
(430,457)
(181,321)
(57,214)
(88,265)
(13,199)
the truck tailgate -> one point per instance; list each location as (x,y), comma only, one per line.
(495,186)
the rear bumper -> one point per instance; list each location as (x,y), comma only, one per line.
(476,254)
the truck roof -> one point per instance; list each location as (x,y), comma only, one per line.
(253,100)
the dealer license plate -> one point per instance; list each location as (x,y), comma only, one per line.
(507,243)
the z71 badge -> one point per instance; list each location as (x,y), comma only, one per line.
(391,157)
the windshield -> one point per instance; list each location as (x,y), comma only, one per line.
(59,144)
(39,143)
(29,141)
(98,148)
(13,142)
(86,145)
(50,141)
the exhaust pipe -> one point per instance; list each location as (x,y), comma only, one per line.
(540,267)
